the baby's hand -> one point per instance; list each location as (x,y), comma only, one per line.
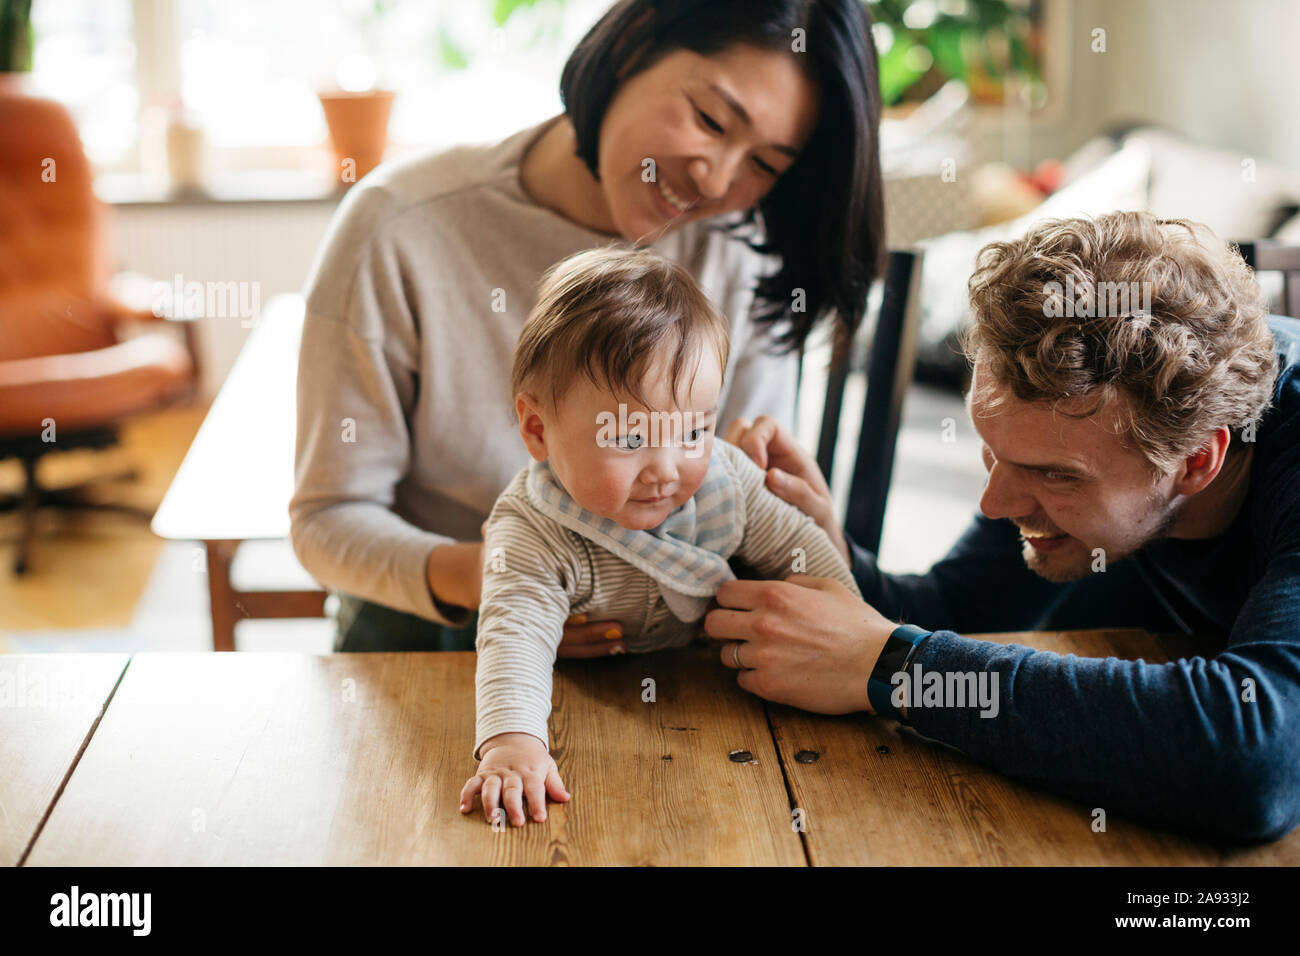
(514,765)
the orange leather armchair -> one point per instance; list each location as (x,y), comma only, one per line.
(69,368)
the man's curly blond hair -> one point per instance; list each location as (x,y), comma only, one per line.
(1190,347)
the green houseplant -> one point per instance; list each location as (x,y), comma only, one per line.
(984,43)
(16,41)
(358,118)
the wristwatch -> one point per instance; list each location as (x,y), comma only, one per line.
(899,650)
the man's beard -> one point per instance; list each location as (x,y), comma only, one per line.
(1061,569)
(1054,567)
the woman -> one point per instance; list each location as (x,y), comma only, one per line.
(738,137)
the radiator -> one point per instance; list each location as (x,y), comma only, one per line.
(264,248)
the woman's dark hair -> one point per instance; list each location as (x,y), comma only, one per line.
(824,217)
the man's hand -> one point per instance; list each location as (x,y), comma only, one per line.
(514,766)
(808,642)
(792,474)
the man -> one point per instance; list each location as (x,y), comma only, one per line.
(1144,470)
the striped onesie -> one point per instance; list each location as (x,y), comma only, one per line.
(546,558)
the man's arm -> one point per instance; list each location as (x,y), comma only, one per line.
(1172,742)
(1209,744)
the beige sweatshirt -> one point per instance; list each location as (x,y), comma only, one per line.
(406,428)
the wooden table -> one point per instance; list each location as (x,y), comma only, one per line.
(359,759)
(237,478)
(50,706)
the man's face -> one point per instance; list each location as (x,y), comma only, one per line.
(1070,484)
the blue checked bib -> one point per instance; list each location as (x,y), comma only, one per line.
(686,554)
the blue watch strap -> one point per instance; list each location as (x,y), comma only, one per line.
(897,653)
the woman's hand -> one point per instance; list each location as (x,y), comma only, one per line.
(806,642)
(580,638)
(792,474)
(455,573)
(595,639)
(514,766)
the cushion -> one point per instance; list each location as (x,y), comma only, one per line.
(1118,182)
(1205,184)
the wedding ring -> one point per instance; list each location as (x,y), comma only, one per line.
(735,654)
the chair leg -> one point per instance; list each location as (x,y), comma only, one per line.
(73,498)
(126,474)
(26,516)
(145,514)
(76,496)
(33,497)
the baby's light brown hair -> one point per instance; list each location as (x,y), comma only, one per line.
(610,314)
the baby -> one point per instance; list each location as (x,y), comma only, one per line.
(630,508)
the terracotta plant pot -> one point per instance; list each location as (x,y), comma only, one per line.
(358,125)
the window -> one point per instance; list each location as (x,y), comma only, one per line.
(249,70)
(85,57)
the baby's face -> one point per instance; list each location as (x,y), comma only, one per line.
(633,468)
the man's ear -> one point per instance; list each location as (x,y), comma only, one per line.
(1204,465)
(531,428)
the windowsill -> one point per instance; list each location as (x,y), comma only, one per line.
(243,186)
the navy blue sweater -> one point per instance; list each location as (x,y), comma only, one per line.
(1173,743)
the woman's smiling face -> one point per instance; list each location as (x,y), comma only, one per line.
(720,130)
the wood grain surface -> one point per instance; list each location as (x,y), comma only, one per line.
(247,759)
(49,704)
(360,758)
(879,793)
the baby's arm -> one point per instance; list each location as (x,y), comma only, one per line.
(780,540)
(529,574)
